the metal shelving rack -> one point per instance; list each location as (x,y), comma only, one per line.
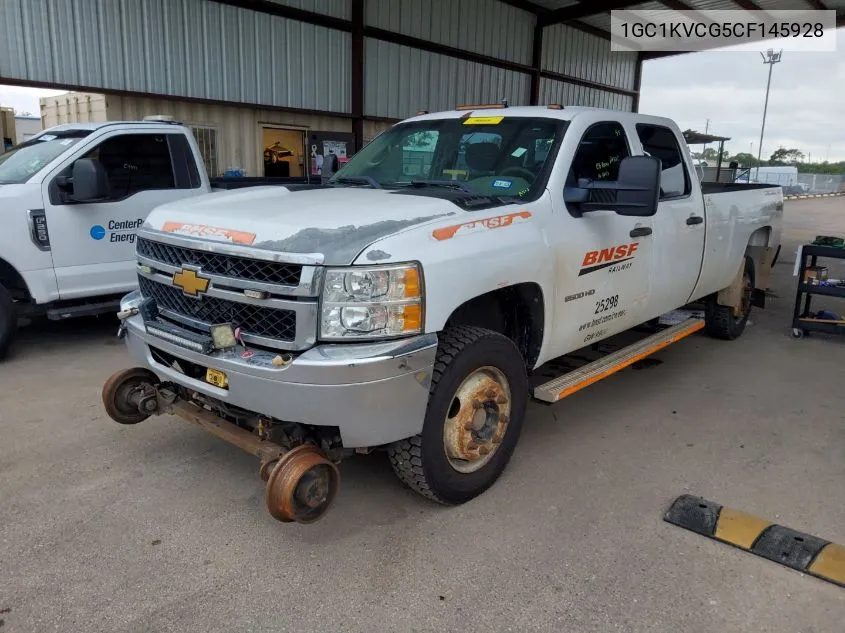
(801,320)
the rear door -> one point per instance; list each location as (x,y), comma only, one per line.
(678,225)
(93,244)
(603,259)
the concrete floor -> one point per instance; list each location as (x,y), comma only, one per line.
(161,527)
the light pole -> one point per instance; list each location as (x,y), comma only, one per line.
(771,58)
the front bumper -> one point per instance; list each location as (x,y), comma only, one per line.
(375,393)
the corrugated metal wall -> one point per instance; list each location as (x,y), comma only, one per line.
(488,27)
(399,81)
(188,48)
(238,128)
(210,50)
(578,54)
(553,91)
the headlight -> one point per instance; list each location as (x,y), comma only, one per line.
(371,302)
(132,300)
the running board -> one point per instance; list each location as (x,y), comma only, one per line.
(573,381)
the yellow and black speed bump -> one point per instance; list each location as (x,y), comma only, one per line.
(804,552)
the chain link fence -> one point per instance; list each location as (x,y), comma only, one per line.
(821,183)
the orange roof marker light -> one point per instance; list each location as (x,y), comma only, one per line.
(554,106)
(484,106)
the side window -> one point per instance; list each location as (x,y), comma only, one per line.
(661,142)
(599,153)
(135,162)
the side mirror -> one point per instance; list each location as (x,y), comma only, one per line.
(90,183)
(635,193)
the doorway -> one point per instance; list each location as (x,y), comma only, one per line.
(283,152)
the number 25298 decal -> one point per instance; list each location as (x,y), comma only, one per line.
(606,304)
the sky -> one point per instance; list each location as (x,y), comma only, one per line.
(806,103)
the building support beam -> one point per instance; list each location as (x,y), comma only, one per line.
(585,10)
(536,63)
(356,100)
(638,80)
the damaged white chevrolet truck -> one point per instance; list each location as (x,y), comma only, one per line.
(405,305)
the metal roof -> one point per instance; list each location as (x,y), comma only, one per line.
(593,16)
(698,138)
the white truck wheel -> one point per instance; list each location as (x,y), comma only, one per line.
(720,321)
(476,407)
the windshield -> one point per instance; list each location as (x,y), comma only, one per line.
(485,155)
(24,161)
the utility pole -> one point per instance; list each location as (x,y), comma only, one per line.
(771,58)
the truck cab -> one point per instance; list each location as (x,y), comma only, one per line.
(404,306)
(73,198)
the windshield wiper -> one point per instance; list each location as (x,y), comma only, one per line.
(358,180)
(451,184)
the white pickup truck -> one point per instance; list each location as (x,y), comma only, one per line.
(404,306)
(72,198)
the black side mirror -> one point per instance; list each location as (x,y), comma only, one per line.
(90,183)
(635,192)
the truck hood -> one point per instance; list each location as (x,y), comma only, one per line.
(337,223)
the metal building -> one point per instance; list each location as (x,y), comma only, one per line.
(259,74)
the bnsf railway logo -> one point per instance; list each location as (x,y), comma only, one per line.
(596,260)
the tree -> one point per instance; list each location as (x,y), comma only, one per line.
(783,156)
(708,154)
(745,159)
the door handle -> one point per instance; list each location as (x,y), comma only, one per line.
(694,219)
(640,231)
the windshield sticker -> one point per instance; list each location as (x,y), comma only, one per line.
(483,120)
(518,152)
(502,184)
(47,137)
(617,258)
(448,232)
(209,232)
(66,141)
(116,231)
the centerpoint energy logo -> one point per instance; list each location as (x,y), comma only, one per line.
(116,230)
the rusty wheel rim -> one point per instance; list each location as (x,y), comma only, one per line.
(747,291)
(477,419)
(292,493)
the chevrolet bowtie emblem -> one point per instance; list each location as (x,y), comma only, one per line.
(190,282)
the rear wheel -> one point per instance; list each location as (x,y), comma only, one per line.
(479,391)
(726,322)
(8,321)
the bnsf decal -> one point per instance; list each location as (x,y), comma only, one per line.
(596,260)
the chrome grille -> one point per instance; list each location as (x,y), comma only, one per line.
(218,264)
(261,321)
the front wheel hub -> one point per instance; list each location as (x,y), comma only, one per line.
(477,419)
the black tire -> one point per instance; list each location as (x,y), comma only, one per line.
(719,321)
(8,321)
(421,461)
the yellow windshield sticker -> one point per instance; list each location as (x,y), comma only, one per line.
(483,120)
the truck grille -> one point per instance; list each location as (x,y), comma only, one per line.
(256,320)
(217,264)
